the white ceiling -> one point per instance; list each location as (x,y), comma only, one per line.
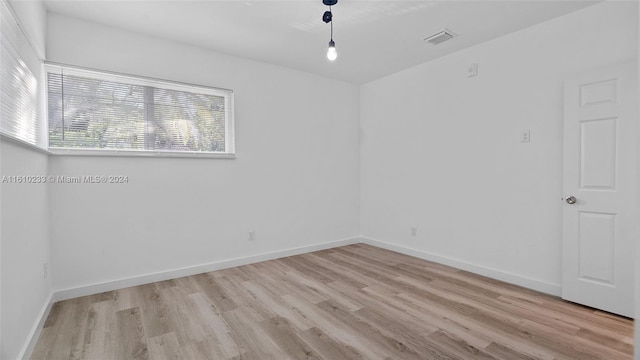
(373,38)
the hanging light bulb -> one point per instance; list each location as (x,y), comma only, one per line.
(327,17)
(332,53)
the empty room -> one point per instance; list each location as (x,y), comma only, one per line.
(319,179)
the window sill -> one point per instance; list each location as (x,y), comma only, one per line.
(136,153)
(116,153)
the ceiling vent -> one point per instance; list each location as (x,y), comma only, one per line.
(440,37)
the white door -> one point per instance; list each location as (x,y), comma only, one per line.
(599,172)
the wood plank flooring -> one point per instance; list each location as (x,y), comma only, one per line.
(353,302)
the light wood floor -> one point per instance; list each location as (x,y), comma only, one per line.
(353,302)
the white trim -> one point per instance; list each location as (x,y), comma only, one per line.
(230,123)
(97,288)
(192,270)
(71,293)
(91,289)
(538,285)
(34,334)
(56,68)
(139,153)
(227,94)
(117,153)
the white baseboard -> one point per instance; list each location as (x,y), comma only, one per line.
(34,334)
(547,288)
(70,293)
(192,270)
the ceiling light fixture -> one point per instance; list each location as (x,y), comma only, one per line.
(327,17)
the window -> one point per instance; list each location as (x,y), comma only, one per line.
(19,94)
(91,110)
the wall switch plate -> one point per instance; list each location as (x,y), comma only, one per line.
(525,136)
(414,231)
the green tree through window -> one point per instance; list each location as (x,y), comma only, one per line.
(96,113)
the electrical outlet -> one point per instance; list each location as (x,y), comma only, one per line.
(45,271)
(252,235)
(472,71)
(414,231)
(525,136)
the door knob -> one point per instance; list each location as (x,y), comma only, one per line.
(571,199)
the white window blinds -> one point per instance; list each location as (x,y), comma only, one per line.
(19,98)
(94,110)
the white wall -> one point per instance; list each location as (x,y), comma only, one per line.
(295,179)
(24,220)
(25,247)
(441,151)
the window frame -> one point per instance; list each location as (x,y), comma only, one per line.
(228,94)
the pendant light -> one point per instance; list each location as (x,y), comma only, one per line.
(327,17)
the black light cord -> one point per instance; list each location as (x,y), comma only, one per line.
(331,22)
